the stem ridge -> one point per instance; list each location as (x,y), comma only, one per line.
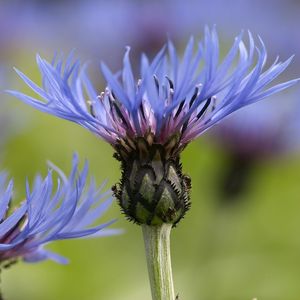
(157,246)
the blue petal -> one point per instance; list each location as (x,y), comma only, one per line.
(115,86)
(42,254)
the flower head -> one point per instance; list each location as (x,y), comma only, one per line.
(151,119)
(183,97)
(50,213)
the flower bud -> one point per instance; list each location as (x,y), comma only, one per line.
(152,189)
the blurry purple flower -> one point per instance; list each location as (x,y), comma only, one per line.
(257,133)
(141,25)
(138,23)
(47,214)
(278,26)
(172,97)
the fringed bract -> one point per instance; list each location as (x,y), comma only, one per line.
(153,190)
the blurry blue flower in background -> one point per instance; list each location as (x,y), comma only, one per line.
(141,24)
(277,26)
(51,211)
(258,133)
(173,96)
(8,125)
(134,23)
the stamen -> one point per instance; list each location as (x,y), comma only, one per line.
(156,82)
(92,112)
(170,83)
(112,95)
(119,113)
(194,96)
(204,108)
(142,111)
(185,125)
(214,99)
(180,108)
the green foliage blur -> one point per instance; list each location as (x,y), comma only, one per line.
(218,253)
(238,252)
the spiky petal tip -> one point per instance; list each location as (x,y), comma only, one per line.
(173,96)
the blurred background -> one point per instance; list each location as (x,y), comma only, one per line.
(241,238)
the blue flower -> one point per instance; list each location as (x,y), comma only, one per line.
(65,210)
(172,96)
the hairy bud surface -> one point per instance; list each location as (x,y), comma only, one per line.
(153,190)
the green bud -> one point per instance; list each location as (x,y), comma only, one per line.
(152,189)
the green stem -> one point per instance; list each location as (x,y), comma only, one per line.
(157,245)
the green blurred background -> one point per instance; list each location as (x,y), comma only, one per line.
(233,251)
